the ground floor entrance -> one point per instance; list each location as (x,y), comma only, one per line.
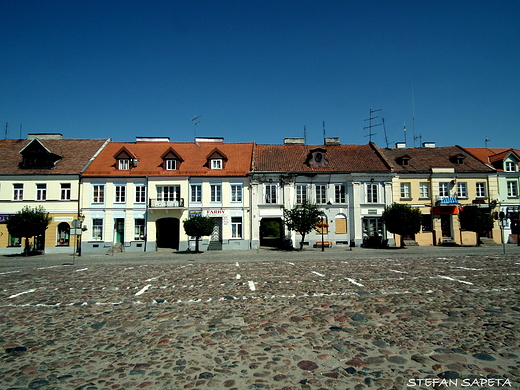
(271,232)
(167,233)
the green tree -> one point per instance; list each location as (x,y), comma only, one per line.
(28,223)
(402,219)
(476,219)
(198,227)
(302,219)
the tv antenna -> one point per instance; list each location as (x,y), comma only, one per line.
(304,135)
(195,123)
(369,127)
(486,141)
(324,130)
(384,129)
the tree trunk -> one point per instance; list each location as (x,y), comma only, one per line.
(197,244)
(26,250)
(301,242)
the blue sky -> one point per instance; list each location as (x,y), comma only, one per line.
(262,70)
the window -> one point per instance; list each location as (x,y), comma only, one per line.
(301,194)
(405,191)
(216,163)
(236,227)
(139,229)
(123,164)
(444,188)
(63,234)
(481,190)
(97,229)
(424,190)
(98,194)
(18,191)
(270,193)
(236,193)
(140,194)
(196,193)
(120,194)
(510,166)
(216,193)
(168,193)
(371,193)
(65,191)
(512,189)
(339,193)
(170,164)
(426,222)
(14,241)
(462,190)
(341,224)
(41,191)
(321,194)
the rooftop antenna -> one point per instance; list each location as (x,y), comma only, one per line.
(413,117)
(195,123)
(369,127)
(304,135)
(20,131)
(323,130)
(404,130)
(486,141)
(384,129)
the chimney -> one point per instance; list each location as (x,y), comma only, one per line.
(400,145)
(152,139)
(294,141)
(209,139)
(44,136)
(331,141)
(428,144)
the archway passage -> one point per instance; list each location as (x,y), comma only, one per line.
(63,234)
(167,233)
(271,232)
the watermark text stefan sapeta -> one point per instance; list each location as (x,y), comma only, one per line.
(476,382)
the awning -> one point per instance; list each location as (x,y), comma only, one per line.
(446,210)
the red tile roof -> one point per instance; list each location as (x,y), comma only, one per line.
(492,155)
(341,158)
(74,153)
(193,155)
(421,160)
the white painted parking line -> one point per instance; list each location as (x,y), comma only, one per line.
(10,272)
(238,265)
(398,272)
(141,291)
(154,278)
(469,269)
(317,273)
(22,293)
(81,270)
(252,286)
(354,282)
(454,280)
(238,276)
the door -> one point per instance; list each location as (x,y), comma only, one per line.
(217,230)
(119,224)
(446,225)
(167,233)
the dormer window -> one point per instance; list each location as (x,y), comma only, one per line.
(460,160)
(317,158)
(170,164)
(216,163)
(510,166)
(36,156)
(404,161)
(123,164)
(171,160)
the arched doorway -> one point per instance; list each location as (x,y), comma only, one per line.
(167,233)
(63,234)
(271,232)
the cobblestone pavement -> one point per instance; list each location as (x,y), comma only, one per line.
(396,319)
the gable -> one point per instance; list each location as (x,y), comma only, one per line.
(36,155)
(170,154)
(123,153)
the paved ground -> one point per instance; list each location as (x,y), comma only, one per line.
(418,318)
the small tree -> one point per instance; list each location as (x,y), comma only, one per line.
(29,222)
(402,219)
(302,219)
(476,219)
(198,227)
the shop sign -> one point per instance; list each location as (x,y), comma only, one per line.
(215,213)
(372,212)
(4,218)
(195,213)
(63,219)
(446,210)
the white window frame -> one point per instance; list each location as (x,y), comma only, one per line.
(236,192)
(65,191)
(123,164)
(196,193)
(168,192)
(406,191)
(236,227)
(509,166)
(340,193)
(512,189)
(98,193)
(216,193)
(216,163)
(271,193)
(301,193)
(444,189)
(480,188)
(320,193)
(140,193)
(139,229)
(41,191)
(97,228)
(18,191)
(424,190)
(462,190)
(170,164)
(119,193)
(372,192)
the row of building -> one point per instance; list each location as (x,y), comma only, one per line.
(137,194)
